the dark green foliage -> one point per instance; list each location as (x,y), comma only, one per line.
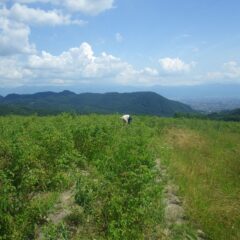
(53,232)
(233,115)
(34,156)
(85,192)
(111,164)
(116,195)
(110,169)
(50,103)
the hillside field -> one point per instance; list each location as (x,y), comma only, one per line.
(92,177)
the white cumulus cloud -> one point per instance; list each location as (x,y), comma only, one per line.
(15,26)
(31,16)
(80,65)
(175,65)
(230,71)
(91,7)
(12,72)
(14,38)
(75,66)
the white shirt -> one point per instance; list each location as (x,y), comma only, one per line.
(126,117)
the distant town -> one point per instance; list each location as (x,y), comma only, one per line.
(209,105)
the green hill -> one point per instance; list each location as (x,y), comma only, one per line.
(144,103)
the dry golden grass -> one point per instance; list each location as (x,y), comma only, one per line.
(183,138)
(205,164)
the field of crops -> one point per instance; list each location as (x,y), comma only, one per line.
(92,177)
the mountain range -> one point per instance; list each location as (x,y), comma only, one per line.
(173,92)
(47,103)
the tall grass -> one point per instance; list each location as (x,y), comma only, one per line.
(204,160)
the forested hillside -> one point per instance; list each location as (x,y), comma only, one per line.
(47,103)
(233,115)
(230,115)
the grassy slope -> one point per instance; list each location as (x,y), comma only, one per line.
(113,168)
(204,160)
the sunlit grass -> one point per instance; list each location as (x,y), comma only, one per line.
(204,160)
(111,166)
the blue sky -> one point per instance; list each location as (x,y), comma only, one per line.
(121,42)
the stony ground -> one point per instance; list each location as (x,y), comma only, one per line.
(63,208)
(174,212)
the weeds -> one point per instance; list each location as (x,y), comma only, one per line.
(111,169)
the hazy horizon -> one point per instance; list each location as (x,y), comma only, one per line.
(204,92)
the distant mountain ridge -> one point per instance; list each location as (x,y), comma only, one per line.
(178,93)
(44,103)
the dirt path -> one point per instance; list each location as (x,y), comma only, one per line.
(61,210)
(63,207)
(173,211)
